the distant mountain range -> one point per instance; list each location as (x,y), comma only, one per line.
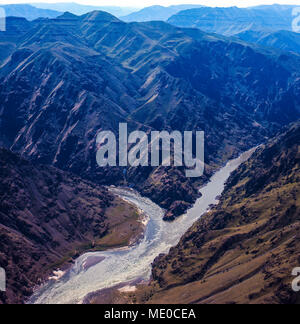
(29,12)
(232,21)
(156,13)
(224,21)
(63,80)
(52,10)
(80,9)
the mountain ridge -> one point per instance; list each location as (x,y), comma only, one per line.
(233,20)
(75,77)
(283,40)
(28,11)
(156,13)
(80,9)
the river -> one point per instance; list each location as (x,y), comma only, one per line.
(129,264)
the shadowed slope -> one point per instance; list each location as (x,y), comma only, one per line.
(71,77)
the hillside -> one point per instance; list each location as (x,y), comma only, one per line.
(282,40)
(245,249)
(234,20)
(63,80)
(47,217)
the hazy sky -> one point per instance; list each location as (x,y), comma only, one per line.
(144,3)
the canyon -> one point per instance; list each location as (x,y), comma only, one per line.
(66,79)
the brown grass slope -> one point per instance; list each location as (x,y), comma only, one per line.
(47,217)
(243,251)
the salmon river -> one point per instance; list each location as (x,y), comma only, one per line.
(132,263)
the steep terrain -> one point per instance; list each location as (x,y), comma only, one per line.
(234,20)
(245,249)
(283,40)
(47,217)
(64,80)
